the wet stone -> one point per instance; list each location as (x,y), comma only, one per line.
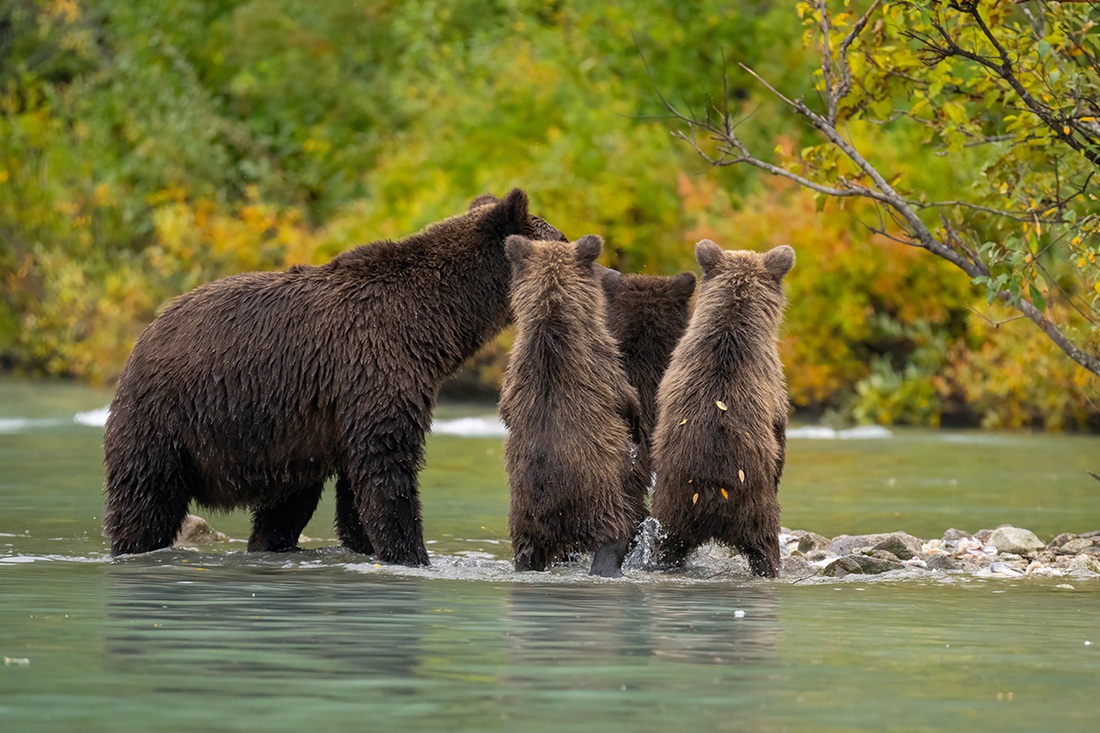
(1061,539)
(859,565)
(196,531)
(1075,546)
(1015,540)
(851,544)
(810,541)
(954,535)
(901,545)
(941,562)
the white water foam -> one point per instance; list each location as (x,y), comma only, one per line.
(471,427)
(92,418)
(822,432)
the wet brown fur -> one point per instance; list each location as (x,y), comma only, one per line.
(252,390)
(570,411)
(647,315)
(728,354)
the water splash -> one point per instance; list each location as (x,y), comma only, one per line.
(643,555)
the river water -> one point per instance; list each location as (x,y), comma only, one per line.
(216,639)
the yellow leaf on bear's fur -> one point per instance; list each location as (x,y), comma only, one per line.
(741,475)
(721,405)
(683,422)
(694,498)
(725,494)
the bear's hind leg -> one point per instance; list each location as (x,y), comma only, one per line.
(608,560)
(348,526)
(276,526)
(145,510)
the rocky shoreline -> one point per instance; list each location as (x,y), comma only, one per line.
(1005,552)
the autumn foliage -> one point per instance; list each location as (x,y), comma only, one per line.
(148,147)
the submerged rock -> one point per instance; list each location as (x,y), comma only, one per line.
(196,531)
(859,565)
(1015,540)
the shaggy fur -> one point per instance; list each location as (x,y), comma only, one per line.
(718,469)
(570,412)
(252,390)
(647,314)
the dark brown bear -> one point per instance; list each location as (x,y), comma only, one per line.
(571,413)
(721,432)
(647,314)
(252,390)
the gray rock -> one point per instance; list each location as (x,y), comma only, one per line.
(852,544)
(1015,540)
(883,555)
(196,531)
(795,566)
(903,546)
(954,535)
(983,534)
(810,541)
(940,562)
(1093,533)
(859,565)
(1075,546)
(1061,539)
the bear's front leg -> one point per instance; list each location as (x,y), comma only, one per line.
(385,492)
(608,560)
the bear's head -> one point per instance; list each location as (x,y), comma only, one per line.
(632,292)
(745,286)
(500,218)
(555,273)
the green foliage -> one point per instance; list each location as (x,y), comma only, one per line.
(149,146)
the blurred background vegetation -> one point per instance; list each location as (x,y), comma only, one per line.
(149,146)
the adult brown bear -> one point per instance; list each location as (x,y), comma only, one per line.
(722,408)
(571,413)
(252,390)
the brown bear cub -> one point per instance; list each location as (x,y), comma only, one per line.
(571,413)
(252,390)
(647,315)
(721,432)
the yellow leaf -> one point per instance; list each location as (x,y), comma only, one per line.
(741,475)
(1065,130)
(725,494)
(721,405)
(694,498)
(683,422)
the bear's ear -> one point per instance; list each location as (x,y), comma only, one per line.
(609,280)
(588,248)
(518,248)
(683,284)
(508,216)
(483,200)
(778,261)
(708,255)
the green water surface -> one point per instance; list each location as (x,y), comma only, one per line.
(187,640)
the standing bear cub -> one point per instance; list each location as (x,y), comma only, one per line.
(721,433)
(647,315)
(571,413)
(252,390)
